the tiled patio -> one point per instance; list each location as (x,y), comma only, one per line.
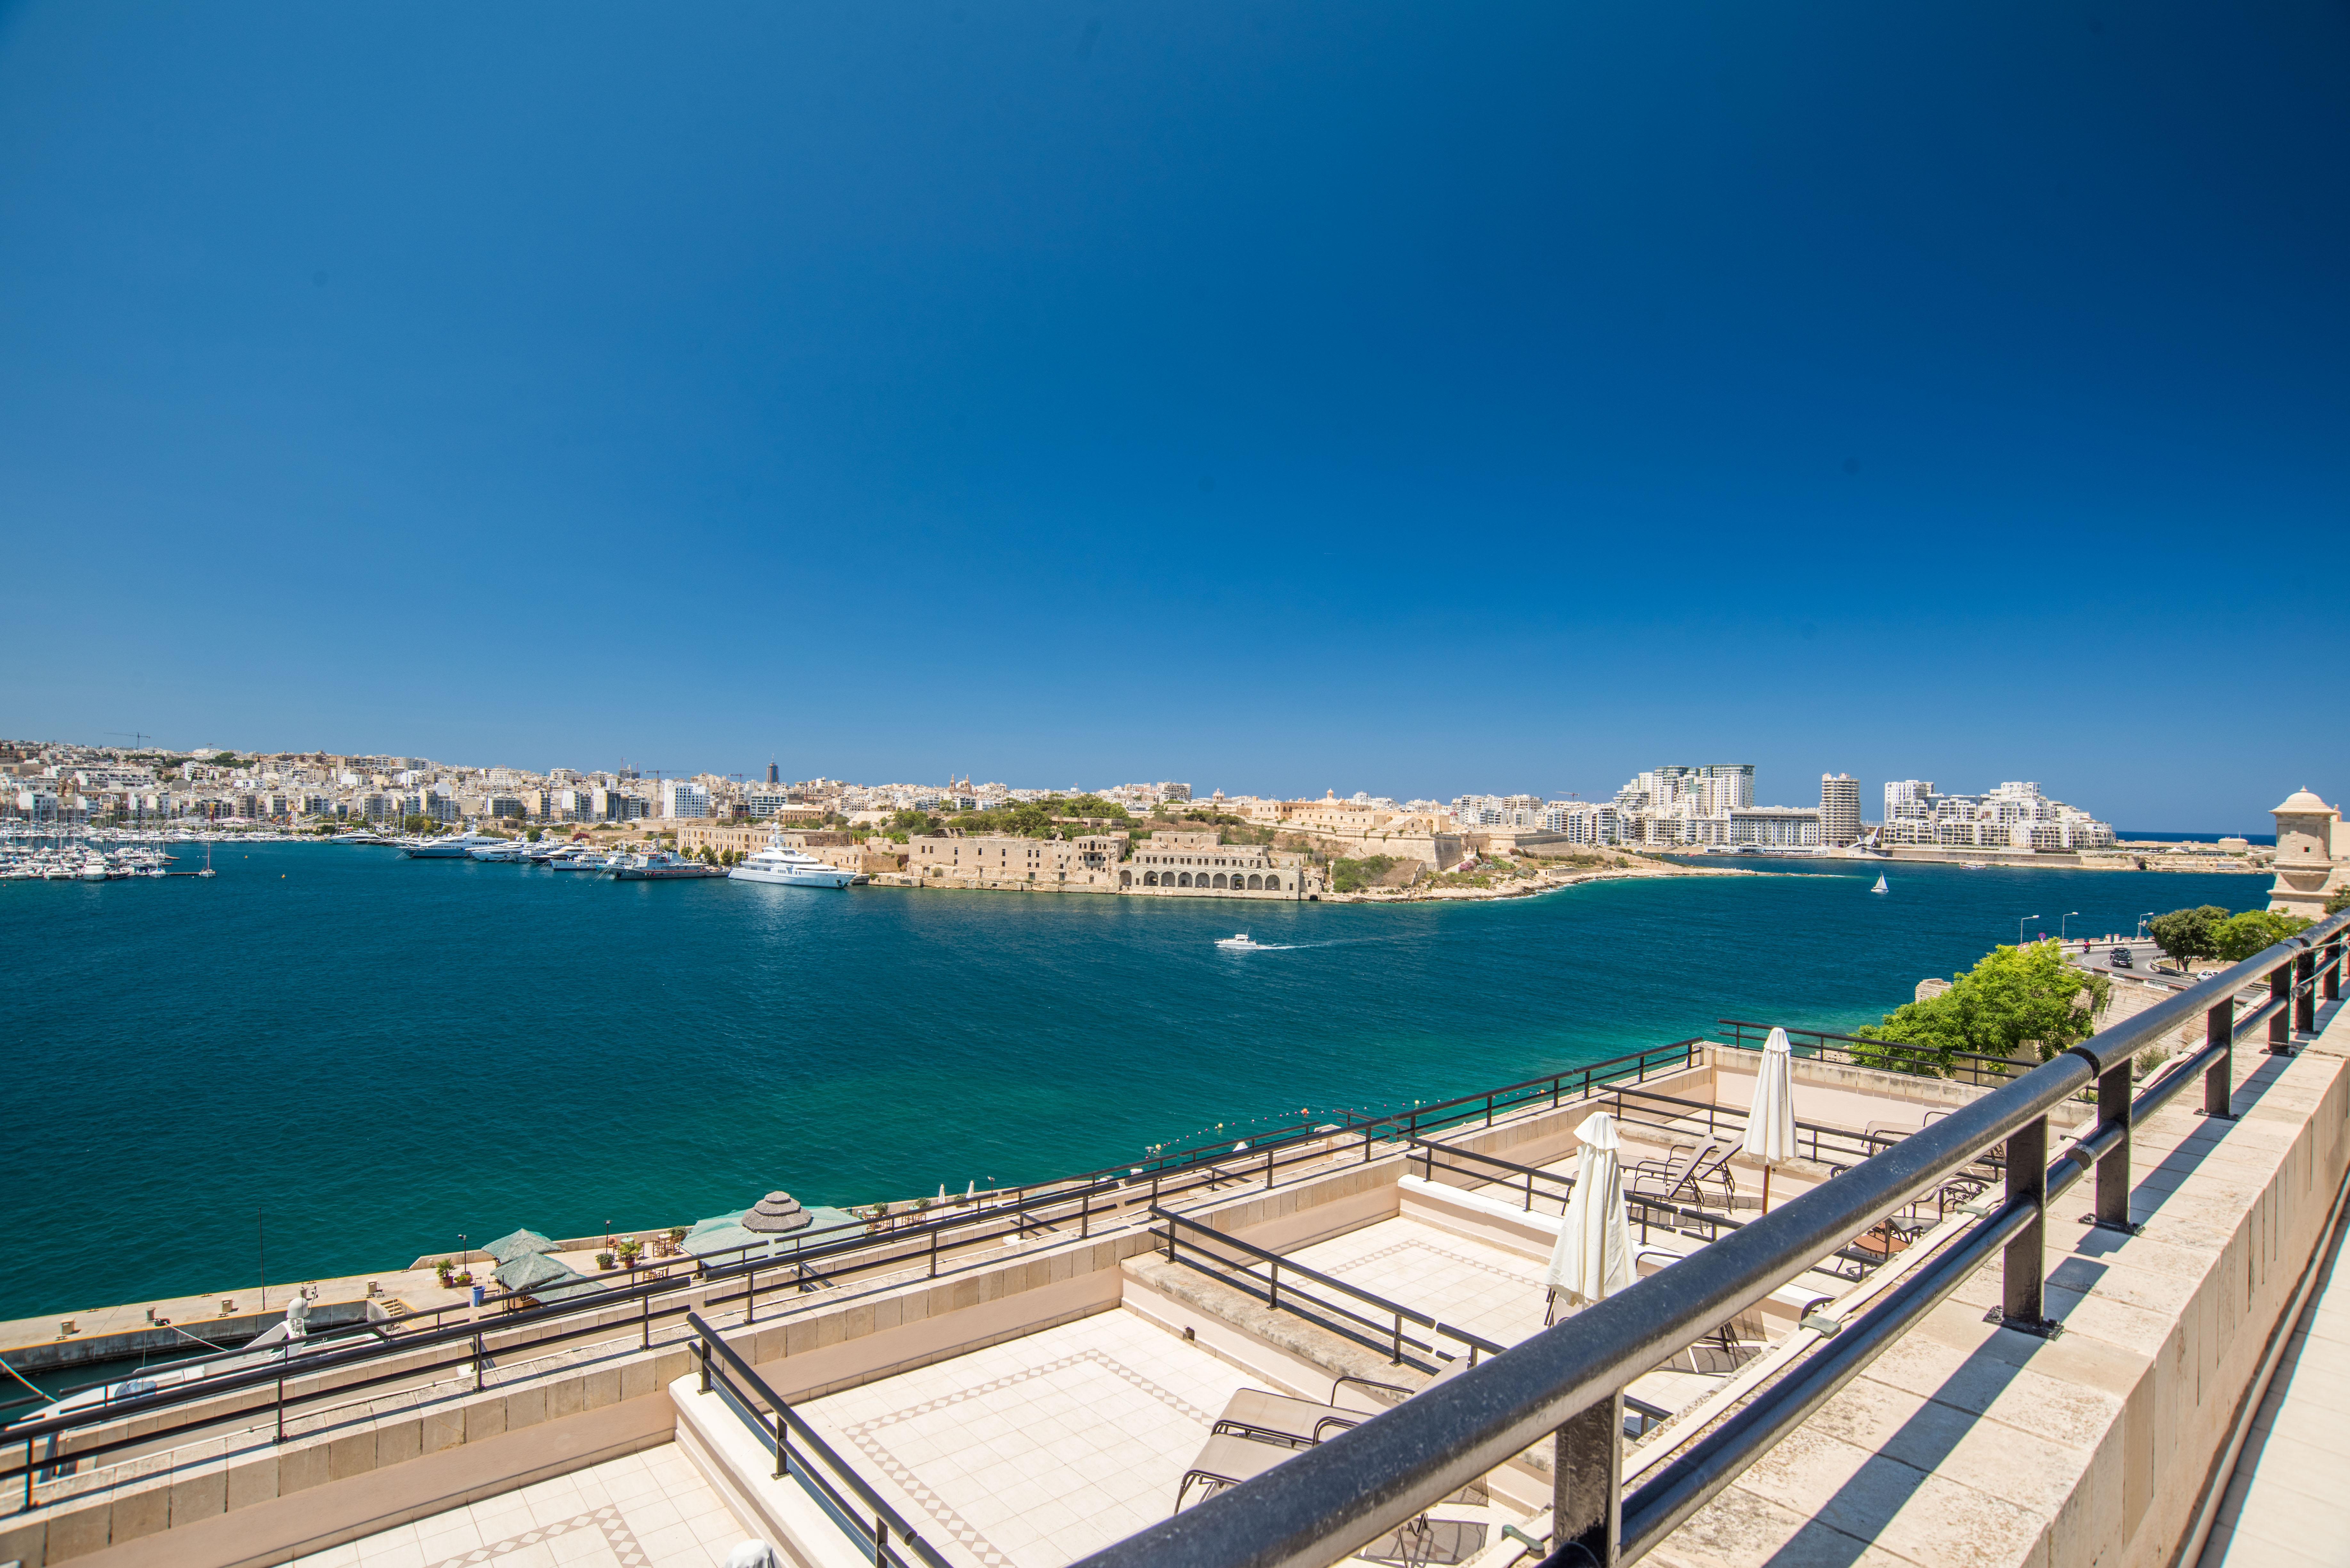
(1036,1452)
(1468,1284)
(648,1510)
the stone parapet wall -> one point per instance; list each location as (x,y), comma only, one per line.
(1971,1443)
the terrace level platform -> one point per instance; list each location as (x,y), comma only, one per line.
(1040,1399)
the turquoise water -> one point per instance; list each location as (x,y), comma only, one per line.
(378,1055)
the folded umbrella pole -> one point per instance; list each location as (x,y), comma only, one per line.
(1771,1120)
(1593,1258)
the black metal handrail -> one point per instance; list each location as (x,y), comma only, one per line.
(1329,1500)
(1274,1264)
(1721,1119)
(1676,1218)
(811,1259)
(745,1389)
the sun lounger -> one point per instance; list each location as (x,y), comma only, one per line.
(1276,1418)
(1668,1180)
(1227,1460)
(1258,1429)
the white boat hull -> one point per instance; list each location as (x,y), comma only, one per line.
(795,878)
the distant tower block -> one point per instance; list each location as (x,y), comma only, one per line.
(2309,857)
(1839,808)
(772,777)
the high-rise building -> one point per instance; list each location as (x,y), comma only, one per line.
(683,797)
(1839,808)
(773,777)
(1903,793)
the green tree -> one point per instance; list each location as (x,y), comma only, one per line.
(1354,876)
(2013,996)
(2187,934)
(2239,936)
(2337,900)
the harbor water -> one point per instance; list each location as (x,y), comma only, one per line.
(328,1060)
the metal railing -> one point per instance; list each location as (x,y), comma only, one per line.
(889,1537)
(1646,1213)
(1888,1055)
(1256,1267)
(514,1326)
(1567,1381)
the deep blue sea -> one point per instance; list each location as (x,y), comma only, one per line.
(375,1055)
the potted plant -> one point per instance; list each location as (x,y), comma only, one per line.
(628,1251)
(604,1260)
(445,1269)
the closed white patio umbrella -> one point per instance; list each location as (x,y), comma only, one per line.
(1593,1258)
(1771,1120)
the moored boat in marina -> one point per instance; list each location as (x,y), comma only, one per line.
(788,867)
(661,865)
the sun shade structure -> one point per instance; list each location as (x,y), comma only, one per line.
(719,1233)
(775,1214)
(1771,1120)
(1593,1258)
(536,1273)
(506,1249)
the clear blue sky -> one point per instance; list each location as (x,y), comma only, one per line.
(1412,398)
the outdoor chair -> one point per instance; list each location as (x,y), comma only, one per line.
(1663,1179)
(1276,1418)
(1227,1460)
(1258,1429)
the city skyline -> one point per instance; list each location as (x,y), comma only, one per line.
(1290,397)
(1714,803)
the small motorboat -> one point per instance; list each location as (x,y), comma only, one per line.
(1241,942)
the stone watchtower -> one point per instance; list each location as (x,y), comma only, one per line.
(2308,863)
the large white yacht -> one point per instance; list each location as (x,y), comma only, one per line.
(454,846)
(779,862)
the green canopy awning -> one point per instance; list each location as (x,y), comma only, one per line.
(506,1249)
(530,1271)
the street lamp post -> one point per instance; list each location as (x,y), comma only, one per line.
(2018,927)
(2061,924)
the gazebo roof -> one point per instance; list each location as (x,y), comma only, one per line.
(2301,803)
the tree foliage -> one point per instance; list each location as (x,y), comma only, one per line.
(1354,876)
(2013,996)
(2239,936)
(2189,934)
(1039,818)
(2337,900)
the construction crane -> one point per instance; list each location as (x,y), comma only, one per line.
(134,735)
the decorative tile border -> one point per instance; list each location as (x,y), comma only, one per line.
(867,1435)
(617,1535)
(1531,1275)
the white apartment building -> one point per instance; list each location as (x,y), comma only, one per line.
(1839,808)
(1584,822)
(762,800)
(683,797)
(1706,789)
(619,806)
(2015,815)
(1711,806)
(1776,826)
(1494,810)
